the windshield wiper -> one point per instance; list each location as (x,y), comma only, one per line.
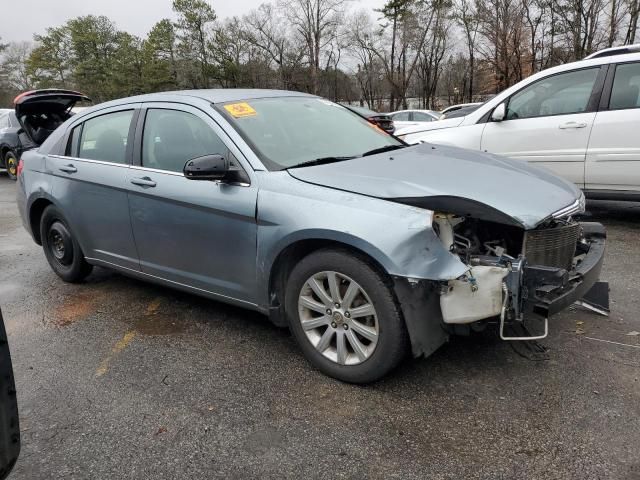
(388,148)
(319,161)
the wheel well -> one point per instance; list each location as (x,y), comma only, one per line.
(35,215)
(3,152)
(291,255)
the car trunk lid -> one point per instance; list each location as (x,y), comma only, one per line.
(40,112)
(50,100)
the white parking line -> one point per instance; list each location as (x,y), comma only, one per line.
(615,343)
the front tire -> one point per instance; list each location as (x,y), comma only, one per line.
(11,164)
(61,248)
(344,317)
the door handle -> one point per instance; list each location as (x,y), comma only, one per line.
(143,182)
(68,169)
(572,125)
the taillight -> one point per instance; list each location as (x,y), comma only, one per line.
(20,166)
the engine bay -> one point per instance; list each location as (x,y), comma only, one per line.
(496,256)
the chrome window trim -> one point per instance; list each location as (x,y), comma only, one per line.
(178,174)
(88,160)
(156,170)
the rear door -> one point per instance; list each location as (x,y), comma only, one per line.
(192,232)
(90,184)
(613,156)
(548,122)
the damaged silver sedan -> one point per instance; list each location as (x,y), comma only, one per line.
(296,207)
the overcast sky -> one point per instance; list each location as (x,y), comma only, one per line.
(134,16)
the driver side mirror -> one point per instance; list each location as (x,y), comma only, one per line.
(499,113)
(209,167)
(9,424)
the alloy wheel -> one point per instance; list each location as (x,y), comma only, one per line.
(338,318)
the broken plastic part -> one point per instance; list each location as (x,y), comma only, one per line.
(462,304)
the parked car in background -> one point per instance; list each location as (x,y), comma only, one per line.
(9,143)
(382,120)
(408,118)
(579,120)
(36,115)
(291,205)
(460,112)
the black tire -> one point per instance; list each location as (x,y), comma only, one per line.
(61,248)
(392,344)
(11,164)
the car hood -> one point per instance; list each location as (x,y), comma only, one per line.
(453,180)
(427,126)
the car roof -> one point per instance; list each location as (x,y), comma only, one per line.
(217,95)
(612,51)
(413,110)
(212,95)
(222,95)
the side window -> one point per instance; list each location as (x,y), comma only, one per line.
(172,137)
(626,87)
(105,137)
(73,142)
(422,117)
(4,120)
(556,95)
(400,117)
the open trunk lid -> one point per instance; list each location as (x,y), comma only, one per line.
(40,112)
(49,100)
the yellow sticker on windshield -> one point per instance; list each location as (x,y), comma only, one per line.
(239,110)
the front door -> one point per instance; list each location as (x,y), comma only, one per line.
(193,232)
(548,123)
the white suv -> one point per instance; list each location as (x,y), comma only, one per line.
(580,120)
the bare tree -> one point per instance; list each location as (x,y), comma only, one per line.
(267,30)
(316,22)
(467,17)
(363,43)
(633,9)
(15,66)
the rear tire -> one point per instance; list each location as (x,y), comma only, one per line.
(356,338)
(11,164)
(61,248)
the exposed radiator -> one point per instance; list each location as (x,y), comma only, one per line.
(552,247)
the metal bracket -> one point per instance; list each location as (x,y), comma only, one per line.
(537,337)
(503,314)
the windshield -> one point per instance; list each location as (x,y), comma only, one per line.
(289,131)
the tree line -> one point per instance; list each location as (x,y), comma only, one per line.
(420,53)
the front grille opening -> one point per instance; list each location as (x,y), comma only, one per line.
(552,247)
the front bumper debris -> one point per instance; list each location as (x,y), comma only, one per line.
(548,290)
(530,293)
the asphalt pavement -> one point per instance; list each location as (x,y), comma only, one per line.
(117,378)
